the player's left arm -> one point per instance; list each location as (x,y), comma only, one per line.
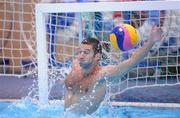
(112,71)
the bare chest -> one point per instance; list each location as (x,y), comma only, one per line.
(86,83)
(96,91)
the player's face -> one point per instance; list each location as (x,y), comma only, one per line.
(85,55)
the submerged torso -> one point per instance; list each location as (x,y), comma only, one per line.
(90,89)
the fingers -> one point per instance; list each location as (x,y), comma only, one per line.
(156,33)
(160,31)
(156,29)
(154,25)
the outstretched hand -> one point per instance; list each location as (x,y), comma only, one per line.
(155,34)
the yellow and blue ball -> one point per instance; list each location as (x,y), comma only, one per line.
(123,37)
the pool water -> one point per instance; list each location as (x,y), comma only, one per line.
(28,109)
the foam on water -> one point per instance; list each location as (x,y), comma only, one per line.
(27,109)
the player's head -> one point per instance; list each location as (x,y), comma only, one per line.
(89,52)
(95,43)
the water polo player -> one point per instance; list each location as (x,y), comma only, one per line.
(86,83)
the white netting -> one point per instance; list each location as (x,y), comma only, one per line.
(160,67)
(18,45)
(17,35)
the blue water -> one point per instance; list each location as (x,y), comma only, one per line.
(28,109)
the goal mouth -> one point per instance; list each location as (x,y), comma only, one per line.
(91,21)
(44,37)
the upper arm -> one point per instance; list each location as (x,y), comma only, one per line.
(68,81)
(119,70)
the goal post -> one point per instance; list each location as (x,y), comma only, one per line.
(43,10)
(42,57)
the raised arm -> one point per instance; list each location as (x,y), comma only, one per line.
(139,54)
(73,76)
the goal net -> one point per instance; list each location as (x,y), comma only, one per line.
(52,40)
(17,37)
(61,27)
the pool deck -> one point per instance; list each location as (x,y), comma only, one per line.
(17,88)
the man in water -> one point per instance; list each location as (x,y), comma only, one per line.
(86,83)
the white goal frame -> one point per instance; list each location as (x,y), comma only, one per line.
(42,8)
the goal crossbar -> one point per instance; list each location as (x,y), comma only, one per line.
(107,6)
